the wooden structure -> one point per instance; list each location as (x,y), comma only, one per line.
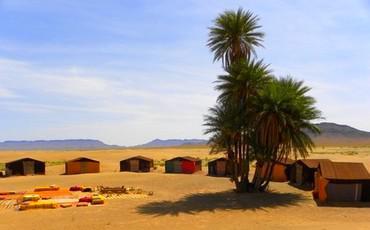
(112,190)
(186,165)
(136,164)
(25,166)
(82,165)
(303,171)
(219,167)
(342,182)
(280,172)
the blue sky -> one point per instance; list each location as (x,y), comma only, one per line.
(126,72)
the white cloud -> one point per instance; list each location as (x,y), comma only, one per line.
(84,102)
(6,93)
(141,79)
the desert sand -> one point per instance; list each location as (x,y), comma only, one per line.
(180,201)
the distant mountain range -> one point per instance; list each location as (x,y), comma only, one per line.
(332,130)
(335,134)
(73,144)
(173,142)
(331,134)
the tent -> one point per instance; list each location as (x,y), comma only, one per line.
(136,164)
(25,166)
(280,171)
(82,165)
(183,165)
(342,182)
(219,167)
(303,172)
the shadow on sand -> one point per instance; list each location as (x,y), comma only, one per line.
(343,204)
(306,187)
(228,200)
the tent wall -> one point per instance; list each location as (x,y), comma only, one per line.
(344,192)
(366,191)
(79,167)
(14,168)
(212,170)
(278,173)
(198,165)
(169,167)
(124,165)
(177,166)
(145,166)
(221,168)
(188,166)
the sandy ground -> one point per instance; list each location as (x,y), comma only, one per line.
(180,201)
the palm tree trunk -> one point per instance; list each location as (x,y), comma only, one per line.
(267,180)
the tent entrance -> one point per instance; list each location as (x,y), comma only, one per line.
(134,165)
(84,167)
(29,167)
(221,168)
(299,174)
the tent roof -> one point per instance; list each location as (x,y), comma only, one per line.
(218,159)
(138,157)
(186,158)
(286,161)
(24,159)
(312,163)
(344,171)
(83,159)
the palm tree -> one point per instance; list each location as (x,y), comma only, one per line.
(258,117)
(224,123)
(284,113)
(242,81)
(235,36)
(229,122)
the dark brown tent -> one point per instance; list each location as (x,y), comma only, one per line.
(342,182)
(219,167)
(25,166)
(136,164)
(82,165)
(302,172)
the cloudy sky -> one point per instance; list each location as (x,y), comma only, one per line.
(126,72)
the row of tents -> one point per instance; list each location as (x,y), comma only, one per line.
(29,166)
(330,181)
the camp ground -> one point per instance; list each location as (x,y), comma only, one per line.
(136,164)
(185,165)
(176,197)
